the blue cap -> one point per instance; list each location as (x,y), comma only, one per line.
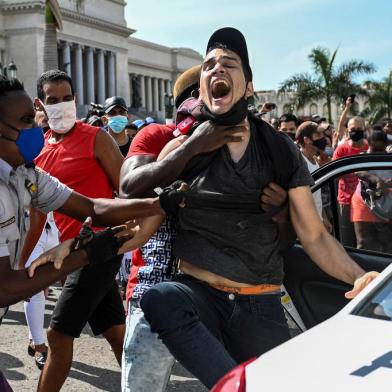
(149,120)
(138,123)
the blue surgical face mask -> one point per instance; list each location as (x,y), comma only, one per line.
(329,151)
(117,123)
(30,141)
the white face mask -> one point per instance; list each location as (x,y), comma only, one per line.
(61,116)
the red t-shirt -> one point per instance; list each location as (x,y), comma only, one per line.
(348,183)
(149,141)
(73,162)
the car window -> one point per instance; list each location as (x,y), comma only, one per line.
(363,210)
(379,306)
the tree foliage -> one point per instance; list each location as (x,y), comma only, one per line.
(379,103)
(329,81)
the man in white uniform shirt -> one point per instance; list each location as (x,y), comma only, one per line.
(22,186)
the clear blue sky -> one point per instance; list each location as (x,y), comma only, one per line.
(280,33)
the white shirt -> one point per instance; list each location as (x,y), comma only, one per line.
(316,195)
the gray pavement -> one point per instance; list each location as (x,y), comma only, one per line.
(94,367)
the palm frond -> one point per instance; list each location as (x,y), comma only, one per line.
(352,68)
(380,98)
(320,59)
(374,114)
(305,89)
(53,13)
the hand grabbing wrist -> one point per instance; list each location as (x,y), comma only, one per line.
(101,246)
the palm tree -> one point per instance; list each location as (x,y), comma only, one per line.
(53,21)
(328,82)
(380,99)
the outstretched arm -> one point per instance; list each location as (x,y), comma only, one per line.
(321,247)
(15,285)
(342,121)
(109,212)
(141,174)
(96,248)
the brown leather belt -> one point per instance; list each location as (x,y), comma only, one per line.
(251,290)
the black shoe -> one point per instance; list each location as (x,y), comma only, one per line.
(30,350)
(40,359)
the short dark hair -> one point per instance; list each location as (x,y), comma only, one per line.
(131,126)
(9,85)
(286,117)
(378,136)
(306,129)
(52,76)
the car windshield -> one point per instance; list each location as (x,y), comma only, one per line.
(379,306)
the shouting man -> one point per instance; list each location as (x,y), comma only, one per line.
(228,247)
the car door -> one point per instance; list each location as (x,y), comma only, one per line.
(316,295)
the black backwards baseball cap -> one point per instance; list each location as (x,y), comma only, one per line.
(232,39)
(112,102)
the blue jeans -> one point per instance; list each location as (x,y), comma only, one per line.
(209,331)
(146,362)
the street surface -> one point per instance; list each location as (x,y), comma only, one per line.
(94,367)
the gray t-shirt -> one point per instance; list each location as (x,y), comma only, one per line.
(223,228)
(20,189)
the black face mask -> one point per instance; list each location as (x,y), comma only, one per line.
(234,116)
(291,135)
(320,144)
(357,135)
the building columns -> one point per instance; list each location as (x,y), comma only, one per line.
(142,91)
(101,76)
(79,74)
(131,76)
(148,93)
(111,75)
(162,95)
(155,106)
(66,58)
(90,75)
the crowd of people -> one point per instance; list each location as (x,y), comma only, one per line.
(201,211)
(320,143)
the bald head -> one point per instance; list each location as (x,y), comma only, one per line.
(356,122)
(356,129)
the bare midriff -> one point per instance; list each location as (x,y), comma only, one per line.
(209,277)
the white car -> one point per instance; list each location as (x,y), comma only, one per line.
(347,346)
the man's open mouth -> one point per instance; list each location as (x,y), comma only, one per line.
(220,89)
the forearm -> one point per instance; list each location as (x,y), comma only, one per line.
(321,247)
(147,227)
(331,257)
(15,285)
(108,212)
(142,180)
(342,123)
